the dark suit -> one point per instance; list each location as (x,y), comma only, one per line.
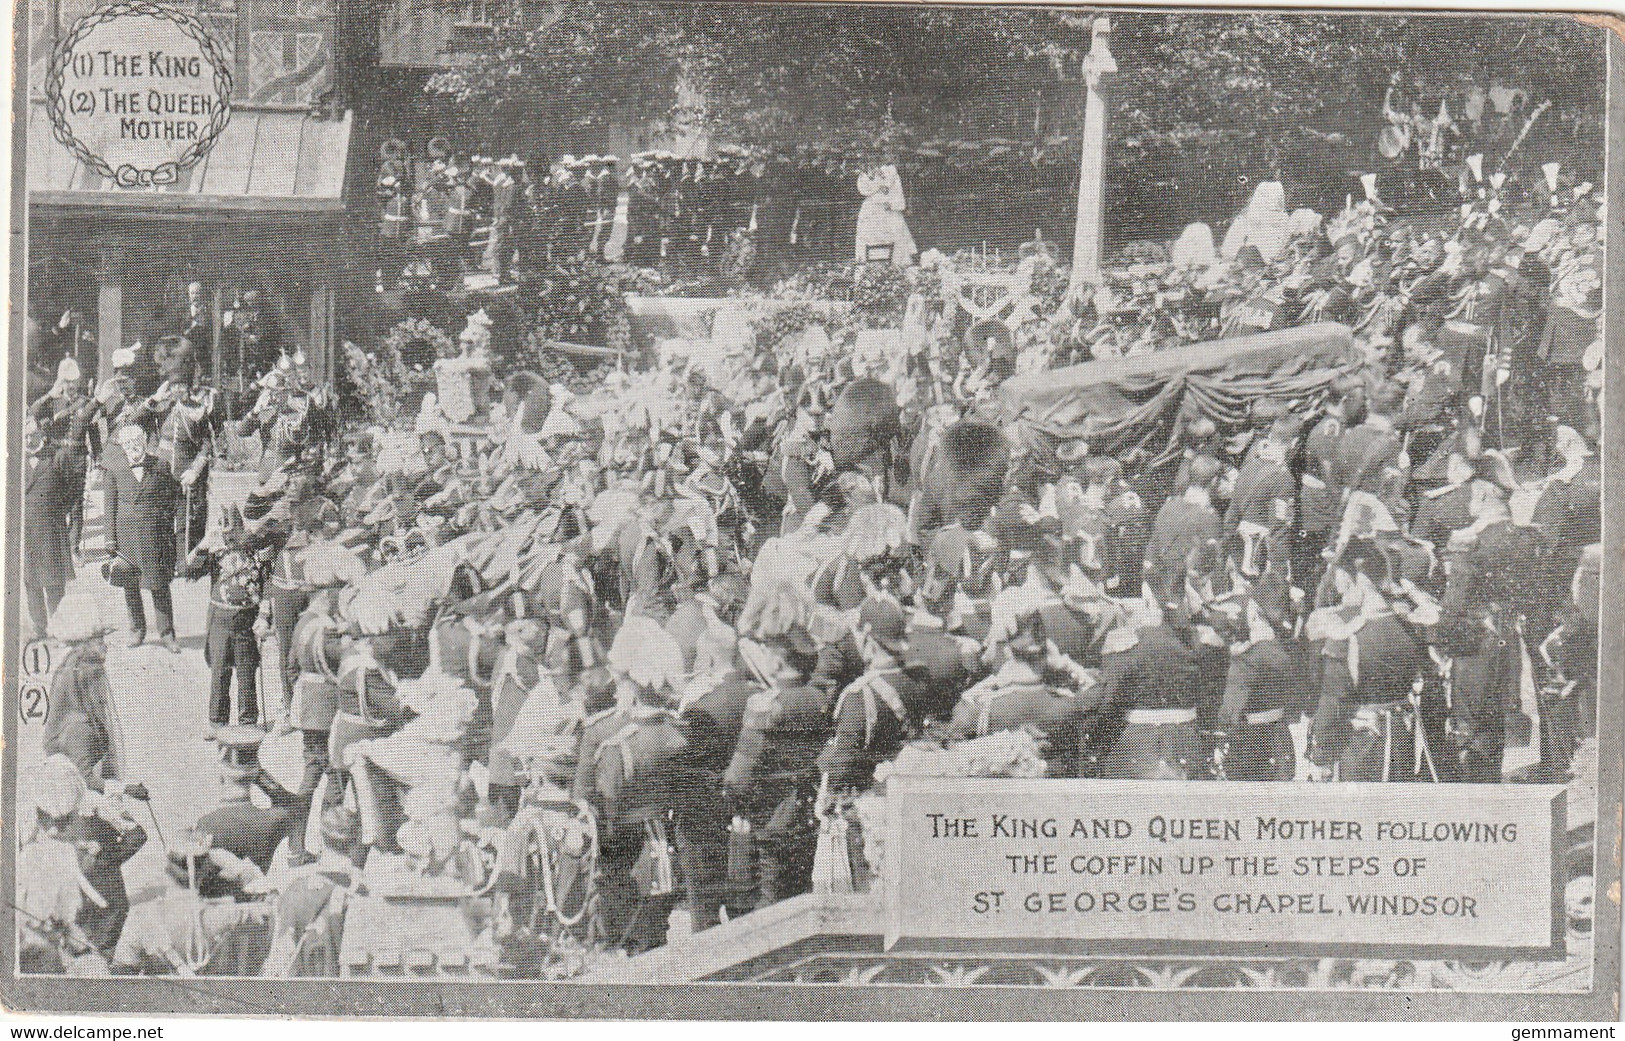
(141,528)
(47,559)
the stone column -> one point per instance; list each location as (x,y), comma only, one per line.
(1091,171)
(109,311)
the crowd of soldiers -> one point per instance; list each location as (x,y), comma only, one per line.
(1527,281)
(712,604)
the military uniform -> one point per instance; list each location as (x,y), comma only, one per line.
(874,715)
(185,437)
(1431,399)
(711,721)
(1490,587)
(237,585)
(1262,511)
(1147,702)
(1366,458)
(317,647)
(773,780)
(1259,686)
(1185,523)
(1442,510)
(633,889)
(287,588)
(1320,503)
(1364,723)
(1017,696)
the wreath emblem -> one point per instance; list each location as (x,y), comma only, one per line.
(62,106)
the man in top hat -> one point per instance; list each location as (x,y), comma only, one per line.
(142,499)
(47,542)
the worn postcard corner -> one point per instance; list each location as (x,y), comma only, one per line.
(534,508)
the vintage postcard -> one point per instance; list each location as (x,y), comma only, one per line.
(791,510)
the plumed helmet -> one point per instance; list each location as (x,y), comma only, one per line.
(59,788)
(647,654)
(77,619)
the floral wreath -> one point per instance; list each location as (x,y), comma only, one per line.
(418,330)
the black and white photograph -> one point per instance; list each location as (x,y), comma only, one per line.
(847,510)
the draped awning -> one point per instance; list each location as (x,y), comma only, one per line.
(265,161)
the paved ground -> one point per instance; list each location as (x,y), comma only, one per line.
(162,700)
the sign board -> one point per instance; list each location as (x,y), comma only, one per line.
(1142,867)
(138,91)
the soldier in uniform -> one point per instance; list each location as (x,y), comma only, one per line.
(1260,685)
(307,517)
(290,414)
(1448,507)
(1367,458)
(1151,691)
(881,709)
(1187,520)
(1568,513)
(317,651)
(1035,686)
(1433,390)
(1370,660)
(1263,507)
(625,771)
(772,776)
(1320,503)
(1493,587)
(235,559)
(187,423)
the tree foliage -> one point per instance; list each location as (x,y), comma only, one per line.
(1203,103)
